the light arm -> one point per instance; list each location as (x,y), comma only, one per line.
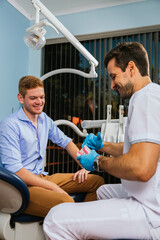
(65,32)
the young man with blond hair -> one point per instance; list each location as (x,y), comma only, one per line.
(23,140)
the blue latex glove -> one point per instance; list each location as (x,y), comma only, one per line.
(87,160)
(93,142)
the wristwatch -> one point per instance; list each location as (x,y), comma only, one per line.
(96,163)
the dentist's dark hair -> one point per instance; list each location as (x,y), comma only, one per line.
(126,52)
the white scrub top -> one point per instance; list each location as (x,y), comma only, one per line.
(144,126)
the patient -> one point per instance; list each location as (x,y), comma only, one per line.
(23,140)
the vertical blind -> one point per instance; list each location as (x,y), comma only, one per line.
(74,98)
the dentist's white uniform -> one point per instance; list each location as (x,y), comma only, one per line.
(128,210)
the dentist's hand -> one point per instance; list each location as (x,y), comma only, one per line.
(93,142)
(87,160)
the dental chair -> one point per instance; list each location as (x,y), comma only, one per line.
(14,196)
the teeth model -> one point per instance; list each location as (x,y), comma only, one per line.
(84,150)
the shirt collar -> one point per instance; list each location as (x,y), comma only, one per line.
(22,116)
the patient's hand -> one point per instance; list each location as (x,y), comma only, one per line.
(81,175)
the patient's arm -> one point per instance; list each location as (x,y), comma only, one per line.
(72,149)
(33,180)
(80,175)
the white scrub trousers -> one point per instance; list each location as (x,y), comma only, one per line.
(115,216)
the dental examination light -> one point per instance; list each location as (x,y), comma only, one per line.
(35,35)
(35,38)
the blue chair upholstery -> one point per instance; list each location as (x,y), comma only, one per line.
(78,197)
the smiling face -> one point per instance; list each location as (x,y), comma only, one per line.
(121,81)
(33,101)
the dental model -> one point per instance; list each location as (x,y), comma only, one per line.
(84,150)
